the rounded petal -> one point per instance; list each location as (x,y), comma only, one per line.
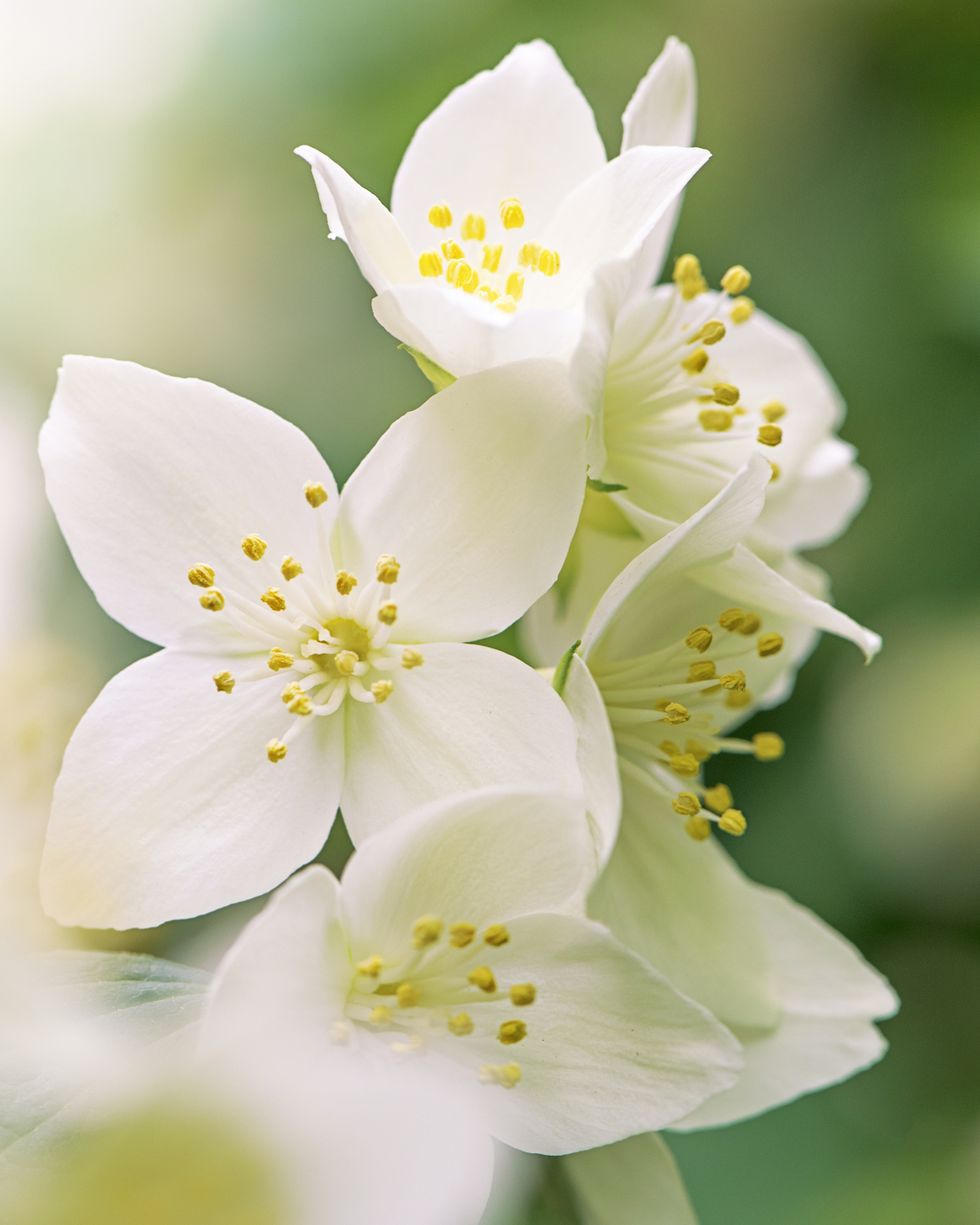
(522,129)
(150,475)
(167,805)
(482,857)
(612,1049)
(469,717)
(628,1183)
(596,755)
(477,494)
(376,241)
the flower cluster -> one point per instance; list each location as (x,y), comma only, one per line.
(540,937)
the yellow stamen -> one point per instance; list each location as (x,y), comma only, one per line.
(697,751)
(737,699)
(769,644)
(314,493)
(684,764)
(406,995)
(507,1075)
(686,803)
(426,930)
(412,658)
(386,569)
(527,257)
(346,661)
(274,599)
(697,828)
(773,411)
(482,978)
(380,1016)
(441,216)
(200,575)
(514,286)
(301,704)
(452,250)
(750,624)
(675,712)
(462,934)
(699,639)
(279,660)
(732,618)
(511,1032)
(715,420)
(742,310)
(275,750)
(549,262)
(701,670)
(736,280)
(372,966)
(511,213)
(291,692)
(461,1024)
(345,582)
(254,547)
(688,277)
(770,435)
(710,334)
(733,822)
(224,682)
(768,746)
(522,994)
(775,471)
(733,680)
(430,263)
(388,614)
(725,393)
(507,305)
(695,362)
(290,568)
(487,294)
(382,691)
(496,935)
(474,226)
(213,600)
(491,256)
(718,798)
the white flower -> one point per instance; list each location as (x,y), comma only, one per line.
(314,643)
(635,1182)
(668,664)
(445,941)
(504,207)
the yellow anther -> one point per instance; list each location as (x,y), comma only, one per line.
(224,682)
(527,257)
(701,670)
(426,930)
(346,661)
(686,803)
(507,305)
(430,263)
(768,746)
(733,822)
(386,569)
(775,471)
(372,966)
(462,934)
(733,680)
(291,692)
(213,600)
(770,435)
(522,994)
(773,411)
(482,978)
(725,393)
(769,644)
(742,310)
(460,1024)
(710,334)
(496,935)
(406,995)
(275,750)
(491,256)
(412,658)
(200,575)
(675,712)
(345,582)
(684,764)
(699,639)
(697,751)
(511,1032)
(290,568)
(274,599)
(254,547)
(301,704)
(750,624)
(736,280)
(382,691)
(737,699)
(511,213)
(380,1016)
(474,226)
(549,262)
(507,1075)
(315,493)
(732,619)
(279,660)
(697,828)
(688,277)
(718,798)
(487,294)
(715,420)
(441,216)
(670,747)
(388,614)
(514,286)
(695,362)
(462,275)
(452,250)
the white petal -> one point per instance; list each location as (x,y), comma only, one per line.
(611,1049)
(523,129)
(483,857)
(382,251)
(167,805)
(468,717)
(596,755)
(635,1182)
(609,216)
(150,475)
(477,494)
(818,504)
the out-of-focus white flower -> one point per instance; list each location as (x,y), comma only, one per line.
(449,941)
(505,206)
(628,1183)
(315,643)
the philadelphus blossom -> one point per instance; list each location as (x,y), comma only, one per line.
(314,642)
(505,206)
(449,942)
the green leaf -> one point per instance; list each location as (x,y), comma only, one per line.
(439,378)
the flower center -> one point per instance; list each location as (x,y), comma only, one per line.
(323,641)
(666,710)
(438,983)
(491,262)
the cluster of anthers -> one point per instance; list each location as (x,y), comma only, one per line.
(440,985)
(326,640)
(650,698)
(670,367)
(493,270)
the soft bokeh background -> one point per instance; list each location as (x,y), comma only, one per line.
(152,209)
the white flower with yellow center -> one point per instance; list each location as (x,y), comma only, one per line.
(503,208)
(315,643)
(666,667)
(449,941)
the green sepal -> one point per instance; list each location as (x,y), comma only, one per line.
(561,672)
(439,378)
(604,486)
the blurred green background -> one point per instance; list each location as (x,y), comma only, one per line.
(152,210)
